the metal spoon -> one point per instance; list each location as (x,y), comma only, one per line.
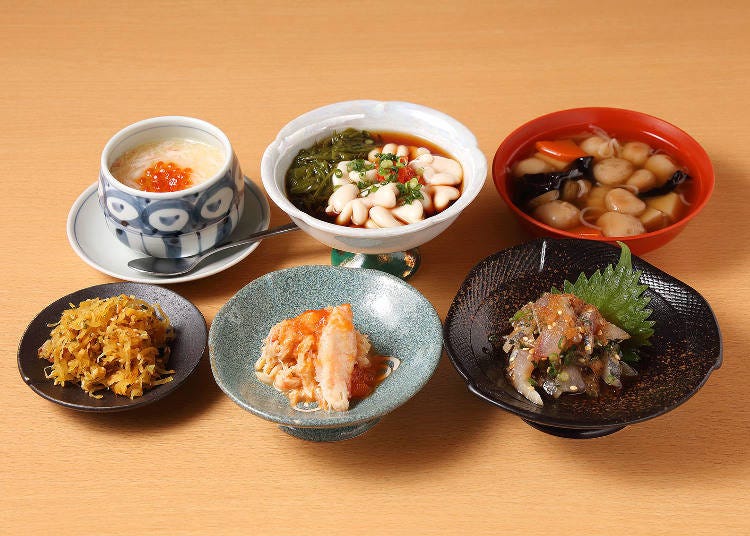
(182,265)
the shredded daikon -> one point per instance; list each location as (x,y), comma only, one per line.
(612,148)
(582,219)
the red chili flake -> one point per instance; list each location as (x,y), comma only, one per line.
(405,174)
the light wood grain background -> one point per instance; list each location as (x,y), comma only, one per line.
(73,73)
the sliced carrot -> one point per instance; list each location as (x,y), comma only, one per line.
(565,150)
(556,163)
(585,232)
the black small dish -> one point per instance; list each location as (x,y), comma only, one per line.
(188,347)
(685,348)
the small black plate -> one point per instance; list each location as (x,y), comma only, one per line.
(187,348)
(685,348)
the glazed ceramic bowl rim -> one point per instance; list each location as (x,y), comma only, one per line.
(166,121)
(549,420)
(275,190)
(708,181)
(334,419)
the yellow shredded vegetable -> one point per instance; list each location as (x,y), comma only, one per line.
(119,343)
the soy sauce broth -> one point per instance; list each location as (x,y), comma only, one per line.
(688,190)
(315,196)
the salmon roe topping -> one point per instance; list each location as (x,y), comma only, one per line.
(167,177)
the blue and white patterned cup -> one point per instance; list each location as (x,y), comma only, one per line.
(172,224)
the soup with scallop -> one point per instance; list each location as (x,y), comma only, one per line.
(168,165)
(595,184)
(373,180)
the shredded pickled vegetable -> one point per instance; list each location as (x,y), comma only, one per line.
(119,343)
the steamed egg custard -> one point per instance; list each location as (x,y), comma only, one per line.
(596,185)
(358,178)
(168,165)
(320,361)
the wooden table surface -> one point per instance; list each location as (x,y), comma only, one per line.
(73,73)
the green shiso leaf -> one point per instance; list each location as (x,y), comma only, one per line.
(619,297)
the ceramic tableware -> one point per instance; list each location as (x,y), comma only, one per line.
(172,223)
(685,347)
(97,247)
(626,125)
(399,321)
(183,265)
(186,349)
(427,123)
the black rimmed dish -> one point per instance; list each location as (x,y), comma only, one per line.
(188,347)
(685,349)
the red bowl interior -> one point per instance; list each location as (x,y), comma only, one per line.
(622,124)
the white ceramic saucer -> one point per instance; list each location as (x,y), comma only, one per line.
(97,246)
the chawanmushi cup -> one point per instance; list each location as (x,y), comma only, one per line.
(172,224)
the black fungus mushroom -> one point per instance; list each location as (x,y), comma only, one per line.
(533,185)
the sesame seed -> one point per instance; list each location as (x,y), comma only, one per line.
(574,388)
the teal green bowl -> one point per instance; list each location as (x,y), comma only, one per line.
(399,321)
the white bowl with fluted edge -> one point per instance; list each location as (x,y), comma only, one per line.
(377,116)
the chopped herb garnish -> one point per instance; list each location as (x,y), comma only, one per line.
(410,191)
(359,165)
(367,189)
(569,357)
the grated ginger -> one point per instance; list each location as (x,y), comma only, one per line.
(119,343)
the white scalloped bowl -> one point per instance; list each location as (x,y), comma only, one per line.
(403,117)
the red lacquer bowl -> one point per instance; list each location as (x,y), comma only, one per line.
(625,125)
